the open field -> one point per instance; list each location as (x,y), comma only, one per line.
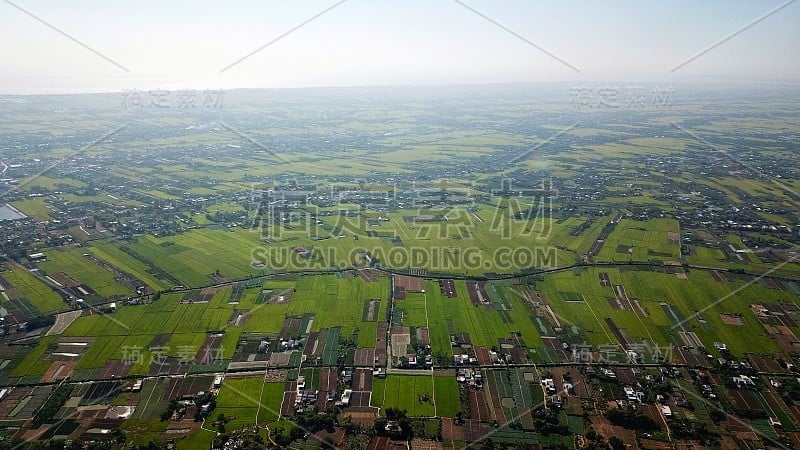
(484,326)
(249,401)
(699,292)
(113,255)
(85,270)
(641,241)
(192,256)
(405,392)
(514,229)
(34,290)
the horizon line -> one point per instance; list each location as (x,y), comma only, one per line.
(700,82)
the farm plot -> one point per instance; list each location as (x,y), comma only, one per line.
(249,401)
(362,387)
(186,386)
(446,395)
(153,399)
(23,402)
(330,354)
(414,393)
(364,357)
(32,289)
(328,382)
(479,410)
(477,294)
(338,302)
(485,327)
(211,350)
(63,321)
(193,256)
(293,328)
(641,241)
(236,293)
(409,284)
(368,275)
(85,270)
(672,305)
(168,315)
(413,310)
(238,317)
(111,253)
(448,288)
(200,295)
(165,329)
(510,397)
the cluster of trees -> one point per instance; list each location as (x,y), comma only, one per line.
(247,438)
(396,425)
(52,405)
(40,322)
(631,419)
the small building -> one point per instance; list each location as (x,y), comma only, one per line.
(743,381)
(346,397)
(554,402)
(461,359)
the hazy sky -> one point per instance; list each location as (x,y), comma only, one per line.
(186,44)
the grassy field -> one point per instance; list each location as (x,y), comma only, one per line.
(191,256)
(699,292)
(641,241)
(142,431)
(33,364)
(168,315)
(83,269)
(34,290)
(447,397)
(404,391)
(111,254)
(250,400)
(339,302)
(576,296)
(134,327)
(485,326)
(34,207)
